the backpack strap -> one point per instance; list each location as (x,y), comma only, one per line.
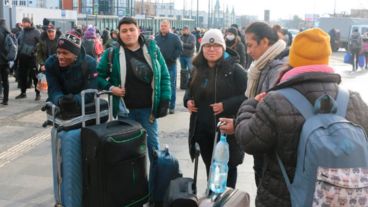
(110,56)
(298,100)
(342,100)
(302,104)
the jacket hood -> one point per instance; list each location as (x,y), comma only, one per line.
(314,75)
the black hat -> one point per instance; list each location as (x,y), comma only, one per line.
(26,19)
(70,41)
(232,30)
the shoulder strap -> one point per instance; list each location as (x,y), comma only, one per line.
(342,100)
(298,100)
(110,56)
(85,73)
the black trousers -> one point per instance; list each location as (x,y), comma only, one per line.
(355,59)
(204,136)
(4,70)
(27,73)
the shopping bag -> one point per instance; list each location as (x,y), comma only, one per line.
(42,85)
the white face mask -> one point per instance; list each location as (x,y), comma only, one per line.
(230,37)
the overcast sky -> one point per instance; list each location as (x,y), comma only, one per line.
(279,8)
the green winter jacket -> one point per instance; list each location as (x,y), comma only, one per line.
(160,82)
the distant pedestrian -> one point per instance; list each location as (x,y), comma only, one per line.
(47,45)
(365,48)
(91,43)
(188,40)
(113,40)
(7,57)
(27,73)
(355,46)
(234,42)
(171,48)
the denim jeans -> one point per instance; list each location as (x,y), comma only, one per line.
(186,63)
(142,116)
(172,71)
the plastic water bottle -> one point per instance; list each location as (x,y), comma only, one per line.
(219,167)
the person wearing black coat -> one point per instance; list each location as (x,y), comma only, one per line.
(233,41)
(216,89)
(27,42)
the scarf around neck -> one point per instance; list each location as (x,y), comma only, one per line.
(257,66)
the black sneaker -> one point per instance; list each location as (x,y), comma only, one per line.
(4,103)
(38,97)
(22,95)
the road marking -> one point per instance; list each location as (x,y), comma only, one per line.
(20,149)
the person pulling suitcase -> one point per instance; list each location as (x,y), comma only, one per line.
(68,72)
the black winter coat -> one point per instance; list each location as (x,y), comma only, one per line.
(274,125)
(231,83)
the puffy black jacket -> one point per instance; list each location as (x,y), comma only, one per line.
(231,83)
(274,125)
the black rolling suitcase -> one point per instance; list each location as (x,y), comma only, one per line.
(182,192)
(114,164)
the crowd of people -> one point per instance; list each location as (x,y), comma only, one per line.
(229,77)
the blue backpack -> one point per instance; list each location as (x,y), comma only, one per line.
(332,159)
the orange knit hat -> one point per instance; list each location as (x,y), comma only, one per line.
(310,47)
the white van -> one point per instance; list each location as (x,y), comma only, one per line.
(363,28)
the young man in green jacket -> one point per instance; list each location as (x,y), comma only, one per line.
(138,79)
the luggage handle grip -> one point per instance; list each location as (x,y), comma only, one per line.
(119,123)
(83,104)
(55,110)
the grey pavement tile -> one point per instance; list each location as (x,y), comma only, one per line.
(8,138)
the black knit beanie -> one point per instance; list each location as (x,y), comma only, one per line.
(70,41)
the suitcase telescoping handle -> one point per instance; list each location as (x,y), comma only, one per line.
(83,105)
(197,151)
(109,94)
(55,110)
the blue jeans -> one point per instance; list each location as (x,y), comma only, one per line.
(186,63)
(172,71)
(142,116)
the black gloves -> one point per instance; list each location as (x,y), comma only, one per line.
(162,108)
(67,103)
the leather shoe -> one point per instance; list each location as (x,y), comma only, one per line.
(38,97)
(22,95)
(4,103)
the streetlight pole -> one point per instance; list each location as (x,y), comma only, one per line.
(197,17)
(2,9)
